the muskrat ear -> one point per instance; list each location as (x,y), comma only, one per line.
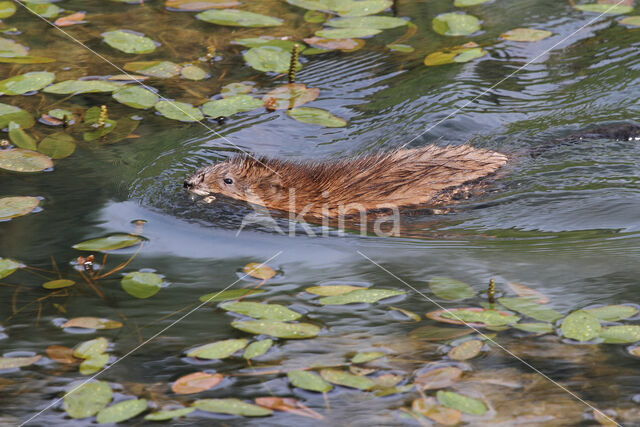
(271,185)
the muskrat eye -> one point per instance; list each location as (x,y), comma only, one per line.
(228,181)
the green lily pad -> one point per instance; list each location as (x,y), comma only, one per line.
(360,296)
(314,17)
(404,48)
(10,113)
(346,33)
(621,334)
(278,329)
(179,111)
(141,285)
(169,414)
(317,4)
(267,41)
(459,54)
(290,96)
(526,306)
(257,348)
(467,3)
(526,35)
(378,22)
(462,403)
(93,364)
(11,207)
(88,349)
(233,89)
(581,326)
(331,290)
(46,10)
(228,106)
(129,42)
(17,362)
(20,138)
(7,9)
(316,116)
(470,54)
(121,411)
(136,97)
(75,87)
(632,21)
(367,356)
(11,49)
(24,59)
(229,294)
(58,145)
(269,58)
(60,114)
(309,381)
(474,316)
(108,243)
(238,18)
(450,289)
(19,160)
(58,284)
(88,399)
(538,328)
(8,266)
(161,69)
(262,311)
(609,9)
(612,313)
(361,7)
(192,72)
(218,349)
(455,24)
(231,406)
(27,82)
(346,379)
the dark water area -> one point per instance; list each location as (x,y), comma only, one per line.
(565,223)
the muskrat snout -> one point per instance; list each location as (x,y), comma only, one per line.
(193,184)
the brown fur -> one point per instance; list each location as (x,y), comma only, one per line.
(429,175)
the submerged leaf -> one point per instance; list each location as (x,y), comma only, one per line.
(218,349)
(129,42)
(308,381)
(438,378)
(231,406)
(466,350)
(278,329)
(238,18)
(316,116)
(179,111)
(450,289)
(262,311)
(581,326)
(12,207)
(455,24)
(290,96)
(437,333)
(27,82)
(141,285)
(88,399)
(228,106)
(461,402)
(525,291)
(196,382)
(367,356)
(121,411)
(61,354)
(360,296)
(467,3)
(287,404)
(108,243)
(19,160)
(343,378)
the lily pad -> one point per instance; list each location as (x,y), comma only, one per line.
(24,59)
(228,106)
(161,69)
(621,334)
(7,9)
(477,317)
(309,381)
(121,411)
(316,116)
(429,407)
(11,49)
(192,72)
(17,362)
(267,41)
(46,10)
(179,111)
(27,82)
(57,146)
(438,378)
(88,399)
(60,114)
(229,294)
(455,24)
(59,284)
(257,348)
(12,207)
(93,364)
(269,58)
(168,414)
(89,322)
(141,285)
(466,350)
(345,45)
(613,313)
(262,311)
(346,33)
(19,160)
(368,356)
(10,113)
(378,22)
(361,7)
(219,349)
(20,138)
(581,326)
(331,290)
(76,87)
(538,328)
(450,289)
(632,21)
(360,296)
(404,48)
(61,354)
(462,403)
(8,266)
(259,271)
(314,17)
(468,3)
(609,9)
(231,406)
(526,35)
(109,243)
(526,306)
(290,96)
(278,329)
(238,18)
(94,347)
(198,5)
(469,55)
(196,382)
(346,379)
(129,42)
(233,89)
(136,97)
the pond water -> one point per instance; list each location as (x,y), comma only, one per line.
(564,223)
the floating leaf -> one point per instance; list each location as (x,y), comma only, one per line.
(612,313)
(278,329)
(477,317)
(61,354)
(361,7)
(347,33)
(121,411)
(360,296)
(267,41)
(525,291)
(437,333)
(467,3)
(141,285)
(438,378)
(20,138)
(109,243)
(367,356)
(136,97)
(345,45)
(262,311)
(429,407)
(57,146)
(287,404)
(581,326)
(455,24)
(308,381)
(314,17)
(450,289)
(290,96)
(10,113)
(11,207)
(378,22)
(168,414)
(19,160)
(343,378)
(526,35)
(73,19)
(404,48)
(88,399)
(229,294)
(8,266)
(7,9)
(462,403)
(233,89)
(410,314)
(219,349)
(93,364)
(197,5)
(633,21)
(179,111)
(87,349)
(58,284)
(526,306)
(90,322)
(196,382)
(238,18)
(269,58)
(259,271)
(24,59)
(45,10)
(316,116)
(192,72)
(231,105)
(609,9)
(621,334)
(75,87)
(231,406)
(257,348)
(60,114)
(331,290)
(538,328)
(27,82)
(129,41)
(161,69)
(17,362)
(10,48)
(466,350)
(469,55)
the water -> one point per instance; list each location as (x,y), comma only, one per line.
(564,223)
